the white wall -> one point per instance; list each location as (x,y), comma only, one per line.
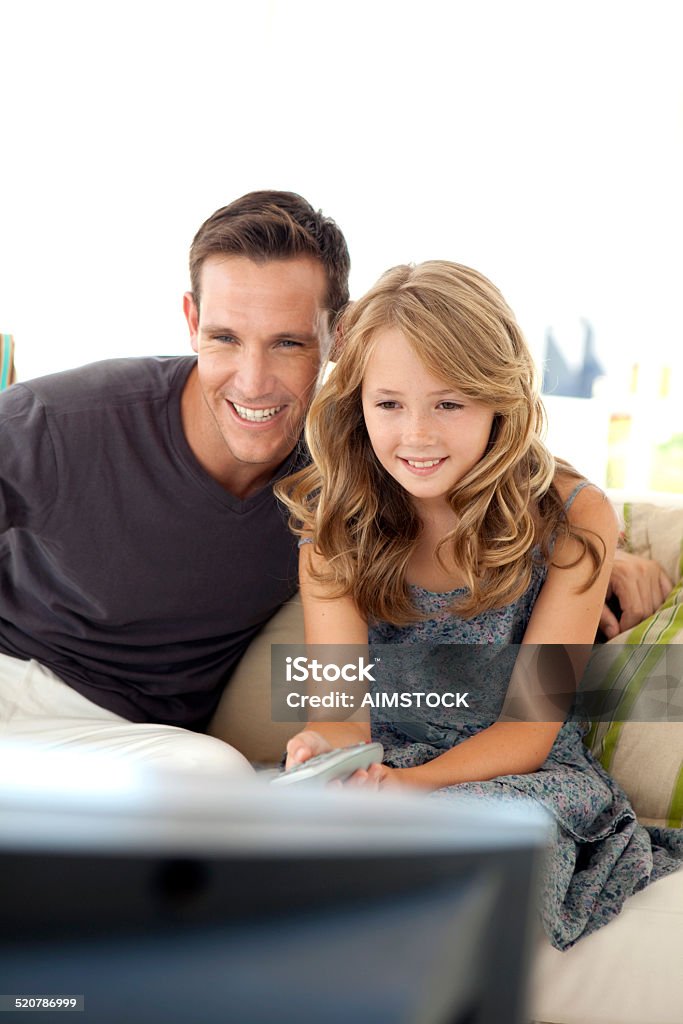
(538,141)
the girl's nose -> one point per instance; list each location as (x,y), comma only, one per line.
(419,430)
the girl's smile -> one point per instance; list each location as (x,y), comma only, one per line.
(423,467)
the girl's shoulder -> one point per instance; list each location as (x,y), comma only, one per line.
(569,488)
(576,492)
(586,505)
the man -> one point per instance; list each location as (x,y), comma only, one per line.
(141,548)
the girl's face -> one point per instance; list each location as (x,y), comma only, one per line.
(426,434)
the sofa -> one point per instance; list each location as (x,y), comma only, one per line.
(631,971)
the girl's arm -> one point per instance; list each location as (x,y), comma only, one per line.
(327,621)
(561,615)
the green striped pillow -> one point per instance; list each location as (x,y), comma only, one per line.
(646,757)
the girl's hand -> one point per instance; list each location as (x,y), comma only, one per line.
(305,745)
(377,776)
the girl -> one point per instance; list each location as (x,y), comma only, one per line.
(432,512)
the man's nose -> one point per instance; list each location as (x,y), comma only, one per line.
(254,378)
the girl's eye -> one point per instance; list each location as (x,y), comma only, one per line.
(289,343)
(387,405)
(448,406)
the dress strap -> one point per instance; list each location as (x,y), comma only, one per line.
(579,487)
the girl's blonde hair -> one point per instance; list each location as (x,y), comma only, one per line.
(362,521)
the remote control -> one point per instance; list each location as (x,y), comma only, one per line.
(335,764)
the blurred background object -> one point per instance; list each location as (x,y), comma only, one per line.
(168,898)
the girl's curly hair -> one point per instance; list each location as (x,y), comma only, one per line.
(508,512)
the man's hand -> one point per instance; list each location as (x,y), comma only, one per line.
(305,745)
(640,585)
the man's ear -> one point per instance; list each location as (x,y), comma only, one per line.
(192,316)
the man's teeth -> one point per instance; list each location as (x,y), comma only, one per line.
(424,465)
(255,415)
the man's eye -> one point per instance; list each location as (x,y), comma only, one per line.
(225,339)
(450,405)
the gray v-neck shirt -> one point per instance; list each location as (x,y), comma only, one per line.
(124,567)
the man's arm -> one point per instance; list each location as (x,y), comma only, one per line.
(28,469)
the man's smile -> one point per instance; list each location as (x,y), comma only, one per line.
(249,414)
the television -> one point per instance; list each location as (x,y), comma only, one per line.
(151,896)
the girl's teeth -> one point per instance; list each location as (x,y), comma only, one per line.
(423,465)
(255,414)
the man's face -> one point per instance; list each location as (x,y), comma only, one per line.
(257,336)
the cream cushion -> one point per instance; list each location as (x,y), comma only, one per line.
(647,762)
(656,532)
(243,717)
(626,973)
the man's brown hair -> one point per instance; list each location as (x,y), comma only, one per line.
(271,225)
